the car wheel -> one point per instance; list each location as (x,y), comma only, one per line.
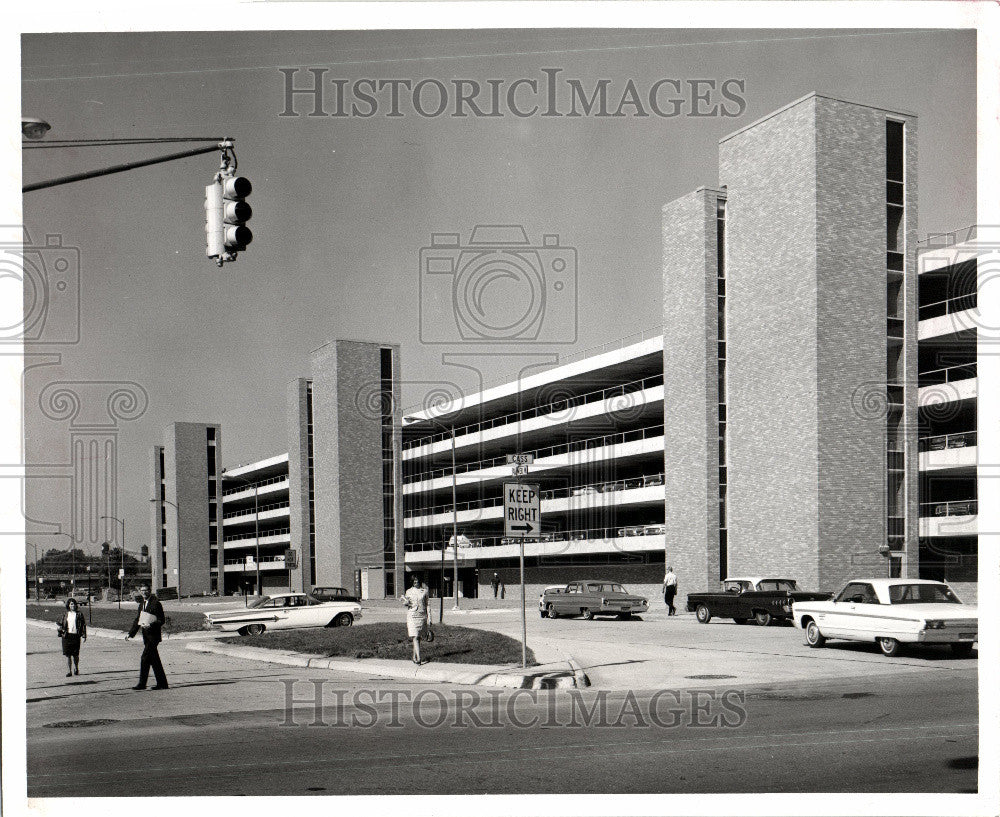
(890,646)
(762,617)
(255,629)
(814,638)
(962,649)
(343,620)
(242,631)
(550,611)
(703,614)
(741,620)
(585,613)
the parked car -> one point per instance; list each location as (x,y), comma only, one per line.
(892,612)
(750,597)
(592,598)
(552,588)
(332,594)
(285,611)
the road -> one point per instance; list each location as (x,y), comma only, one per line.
(223,728)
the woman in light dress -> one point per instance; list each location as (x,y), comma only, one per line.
(417,615)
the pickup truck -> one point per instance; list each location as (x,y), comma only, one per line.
(754,597)
(590,598)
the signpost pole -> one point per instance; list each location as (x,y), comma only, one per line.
(522,507)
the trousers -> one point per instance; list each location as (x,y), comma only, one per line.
(151,658)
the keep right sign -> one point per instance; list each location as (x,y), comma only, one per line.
(521,510)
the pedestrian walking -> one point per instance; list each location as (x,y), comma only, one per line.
(670,590)
(72,629)
(149,618)
(417,621)
(495,581)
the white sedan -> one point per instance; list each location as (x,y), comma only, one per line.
(285,611)
(891,612)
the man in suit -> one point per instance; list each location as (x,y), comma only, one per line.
(151,636)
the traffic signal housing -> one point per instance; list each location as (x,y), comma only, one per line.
(226,214)
(236,212)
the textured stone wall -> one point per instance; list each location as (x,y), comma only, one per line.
(690,380)
(298,482)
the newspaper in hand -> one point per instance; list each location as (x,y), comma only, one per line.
(146,619)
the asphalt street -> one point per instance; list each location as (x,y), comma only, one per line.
(225,727)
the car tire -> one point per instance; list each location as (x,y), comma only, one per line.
(741,620)
(343,620)
(703,614)
(890,647)
(550,611)
(585,614)
(962,649)
(242,631)
(762,617)
(255,629)
(814,638)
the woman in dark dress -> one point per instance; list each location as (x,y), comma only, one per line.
(72,629)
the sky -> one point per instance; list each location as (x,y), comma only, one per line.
(343,205)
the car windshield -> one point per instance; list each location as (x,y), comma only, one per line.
(776,584)
(921,594)
(259,602)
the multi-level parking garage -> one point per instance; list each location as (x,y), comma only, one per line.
(948,389)
(595,430)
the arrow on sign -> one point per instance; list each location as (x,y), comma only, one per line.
(526,527)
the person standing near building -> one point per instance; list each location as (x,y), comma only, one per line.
(72,628)
(416,600)
(495,581)
(670,590)
(149,618)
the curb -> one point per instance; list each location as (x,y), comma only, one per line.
(579,675)
(445,673)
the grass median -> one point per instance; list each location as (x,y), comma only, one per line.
(114,619)
(456,645)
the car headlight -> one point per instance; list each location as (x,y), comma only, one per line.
(933,624)
(644,601)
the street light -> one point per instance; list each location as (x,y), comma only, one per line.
(176,508)
(256,524)
(90,601)
(34,128)
(121,578)
(454,513)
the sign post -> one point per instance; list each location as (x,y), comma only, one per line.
(521,520)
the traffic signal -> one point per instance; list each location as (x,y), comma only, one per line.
(226,214)
(236,212)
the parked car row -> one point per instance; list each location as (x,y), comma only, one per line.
(889,612)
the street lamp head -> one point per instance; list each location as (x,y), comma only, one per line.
(34,128)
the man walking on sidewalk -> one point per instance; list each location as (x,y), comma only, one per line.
(495,581)
(149,619)
(670,590)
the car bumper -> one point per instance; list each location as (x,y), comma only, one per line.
(967,636)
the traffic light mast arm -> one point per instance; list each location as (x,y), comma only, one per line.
(107,171)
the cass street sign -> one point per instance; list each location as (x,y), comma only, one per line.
(521,510)
(520,459)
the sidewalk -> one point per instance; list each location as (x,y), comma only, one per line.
(556,669)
